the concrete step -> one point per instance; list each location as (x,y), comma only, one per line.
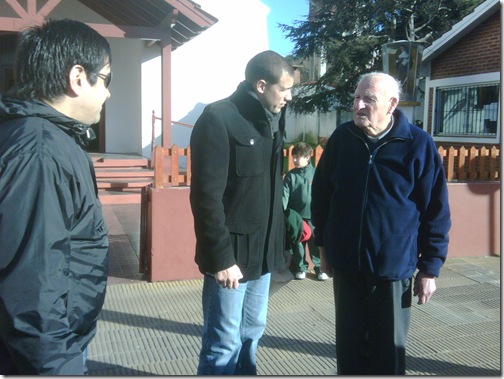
(124,172)
(120,197)
(122,184)
(110,163)
(120,177)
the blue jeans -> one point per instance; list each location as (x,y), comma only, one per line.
(234,320)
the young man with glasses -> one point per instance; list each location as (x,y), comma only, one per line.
(54,245)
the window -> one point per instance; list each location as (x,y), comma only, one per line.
(470,110)
(7,52)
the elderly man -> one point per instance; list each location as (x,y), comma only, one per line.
(380,211)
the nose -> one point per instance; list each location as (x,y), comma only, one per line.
(359,104)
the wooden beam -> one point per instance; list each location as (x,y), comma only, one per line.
(166,49)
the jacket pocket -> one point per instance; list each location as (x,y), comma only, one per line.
(397,255)
(248,243)
(249,156)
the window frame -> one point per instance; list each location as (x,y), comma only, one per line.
(457,82)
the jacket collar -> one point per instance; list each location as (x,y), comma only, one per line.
(11,108)
(251,108)
(248,104)
(401,128)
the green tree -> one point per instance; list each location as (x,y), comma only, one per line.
(349,35)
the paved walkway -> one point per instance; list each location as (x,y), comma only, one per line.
(155,328)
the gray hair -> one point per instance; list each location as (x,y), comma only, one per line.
(393,85)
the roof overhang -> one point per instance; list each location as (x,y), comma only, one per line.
(461,29)
(152,19)
(173,21)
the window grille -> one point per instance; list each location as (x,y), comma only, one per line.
(471,110)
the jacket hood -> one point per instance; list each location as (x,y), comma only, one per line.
(11,108)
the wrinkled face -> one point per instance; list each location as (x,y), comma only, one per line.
(373,106)
(274,96)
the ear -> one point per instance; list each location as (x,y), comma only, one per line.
(393,105)
(77,79)
(261,86)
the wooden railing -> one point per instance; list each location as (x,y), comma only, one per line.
(461,164)
(473,164)
(167,170)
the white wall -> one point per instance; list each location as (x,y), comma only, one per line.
(205,69)
(122,110)
(211,66)
(151,96)
(318,125)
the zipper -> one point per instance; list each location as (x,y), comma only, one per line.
(372,157)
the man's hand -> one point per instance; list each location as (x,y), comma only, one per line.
(229,278)
(324,266)
(424,287)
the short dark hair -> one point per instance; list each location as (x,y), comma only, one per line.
(268,66)
(302,149)
(45,55)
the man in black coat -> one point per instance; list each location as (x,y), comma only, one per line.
(236,200)
(53,237)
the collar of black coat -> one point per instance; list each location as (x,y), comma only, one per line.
(252,109)
(11,108)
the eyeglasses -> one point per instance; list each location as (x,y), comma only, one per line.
(106,78)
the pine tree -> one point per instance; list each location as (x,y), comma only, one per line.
(349,36)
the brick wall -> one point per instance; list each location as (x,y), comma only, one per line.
(478,52)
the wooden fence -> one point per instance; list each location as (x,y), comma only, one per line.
(461,164)
(473,164)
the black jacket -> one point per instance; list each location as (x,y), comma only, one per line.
(53,241)
(236,187)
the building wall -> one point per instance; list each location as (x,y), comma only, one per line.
(475,230)
(477,53)
(476,57)
(122,109)
(151,96)
(210,67)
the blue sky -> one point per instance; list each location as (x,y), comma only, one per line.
(284,12)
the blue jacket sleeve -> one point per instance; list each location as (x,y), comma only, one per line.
(435,219)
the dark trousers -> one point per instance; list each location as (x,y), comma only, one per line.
(372,322)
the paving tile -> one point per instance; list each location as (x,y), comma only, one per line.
(155,328)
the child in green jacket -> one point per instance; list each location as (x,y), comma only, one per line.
(297,196)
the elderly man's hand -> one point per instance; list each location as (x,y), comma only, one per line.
(424,287)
